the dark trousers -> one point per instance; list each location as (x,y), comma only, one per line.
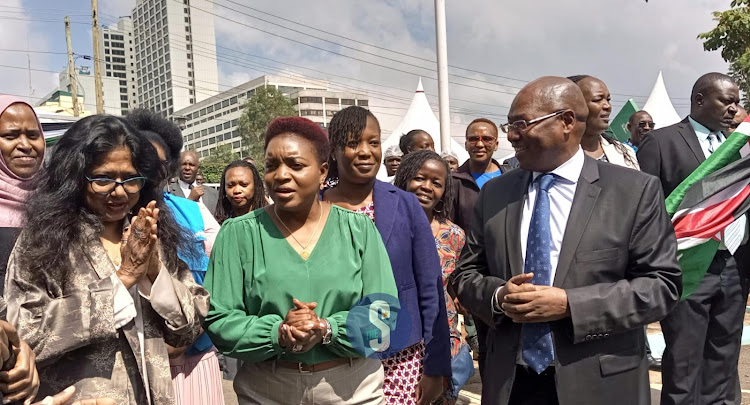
(703,336)
(530,388)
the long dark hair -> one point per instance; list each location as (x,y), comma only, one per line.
(347,125)
(224,209)
(57,209)
(161,131)
(407,170)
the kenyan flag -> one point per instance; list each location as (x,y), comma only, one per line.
(707,202)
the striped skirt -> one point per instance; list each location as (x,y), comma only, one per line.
(197,379)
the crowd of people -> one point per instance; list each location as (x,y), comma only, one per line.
(313,282)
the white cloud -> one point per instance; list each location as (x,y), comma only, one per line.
(19,34)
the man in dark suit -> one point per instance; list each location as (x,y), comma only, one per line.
(567,258)
(187,187)
(703,333)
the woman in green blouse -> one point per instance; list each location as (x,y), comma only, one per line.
(301,289)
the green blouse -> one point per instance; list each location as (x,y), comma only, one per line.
(254,274)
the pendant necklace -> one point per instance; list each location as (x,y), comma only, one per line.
(305,254)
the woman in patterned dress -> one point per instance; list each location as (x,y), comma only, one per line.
(426,175)
(99,305)
(418,359)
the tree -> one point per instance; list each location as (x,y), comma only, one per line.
(266,104)
(732,37)
(212,166)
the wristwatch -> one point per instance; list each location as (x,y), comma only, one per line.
(328,334)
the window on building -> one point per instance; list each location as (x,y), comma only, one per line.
(347,101)
(362,103)
(225,103)
(106,43)
(311,99)
(217,128)
(192,101)
(106,51)
(204,142)
(123,105)
(332,100)
(234,123)
(250,93)
(106,36)
(233,100)
(226,125)
(190,73)
(210,109)
(190,91)
(236,144)
(190,82)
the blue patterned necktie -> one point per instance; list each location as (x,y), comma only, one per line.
(536,338)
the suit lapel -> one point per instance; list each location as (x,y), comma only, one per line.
(513,222)
(584,201)
(386,203)
(175,189)
(688,134)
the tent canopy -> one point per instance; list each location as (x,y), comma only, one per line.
(420,116)
(660,106)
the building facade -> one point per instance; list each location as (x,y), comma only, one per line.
(175,54)
(118,46)
(215,121)
(111,87)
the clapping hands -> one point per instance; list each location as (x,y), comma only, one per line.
(302,329)
(140,253)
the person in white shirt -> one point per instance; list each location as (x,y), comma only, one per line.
(187,187)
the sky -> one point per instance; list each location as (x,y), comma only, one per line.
(383,47)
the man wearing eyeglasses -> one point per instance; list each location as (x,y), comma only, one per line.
(639,124)
(567,258)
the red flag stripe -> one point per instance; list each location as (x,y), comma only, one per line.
(711,220)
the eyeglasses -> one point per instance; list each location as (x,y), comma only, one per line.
(485,139)
(104,186)
(644,124)
(523,125)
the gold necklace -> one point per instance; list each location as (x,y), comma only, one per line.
(305,254)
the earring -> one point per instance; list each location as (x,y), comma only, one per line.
(322,186)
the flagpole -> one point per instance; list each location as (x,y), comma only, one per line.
(442,68)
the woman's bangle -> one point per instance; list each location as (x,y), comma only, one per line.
(328,334)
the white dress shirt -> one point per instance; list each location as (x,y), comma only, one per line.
(703,133)
(560,202)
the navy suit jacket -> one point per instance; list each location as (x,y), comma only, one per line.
(408,239)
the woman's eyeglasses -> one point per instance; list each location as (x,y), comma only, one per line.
(104,185)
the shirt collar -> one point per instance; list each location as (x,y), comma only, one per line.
(701,131)
(183,184)
(570,170)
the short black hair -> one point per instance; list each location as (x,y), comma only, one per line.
(407,139)
(484,121)
(705,84)
(577,78)
(408,169)
(161,131)
(631,120)
(224,209)
(347,125)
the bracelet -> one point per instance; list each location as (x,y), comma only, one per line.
(328,335)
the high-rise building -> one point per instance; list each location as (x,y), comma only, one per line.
(175,53)
(118,47)
(215,120)
(60,100)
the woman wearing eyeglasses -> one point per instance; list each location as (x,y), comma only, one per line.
(595,142)
(96,304)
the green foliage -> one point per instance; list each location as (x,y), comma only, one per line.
(267,104)
(732,37)
(212,166)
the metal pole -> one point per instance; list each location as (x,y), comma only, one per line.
(97,58)
(442,68)
(71,69)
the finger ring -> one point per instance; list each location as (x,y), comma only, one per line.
(139,234)
(297,348)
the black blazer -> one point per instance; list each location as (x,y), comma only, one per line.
(671,154)
(617,264)
(210,195)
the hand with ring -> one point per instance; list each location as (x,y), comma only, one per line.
(139,253)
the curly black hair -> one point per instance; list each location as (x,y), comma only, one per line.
(57,210)
(161,131)
(224,209)
(410,165)
(346,126)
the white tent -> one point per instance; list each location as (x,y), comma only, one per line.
(660,106)
(421,116)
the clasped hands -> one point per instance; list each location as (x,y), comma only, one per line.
(139,251)
(302,329)
(524,302)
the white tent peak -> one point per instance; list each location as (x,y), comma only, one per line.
(420,116)
(659,106)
